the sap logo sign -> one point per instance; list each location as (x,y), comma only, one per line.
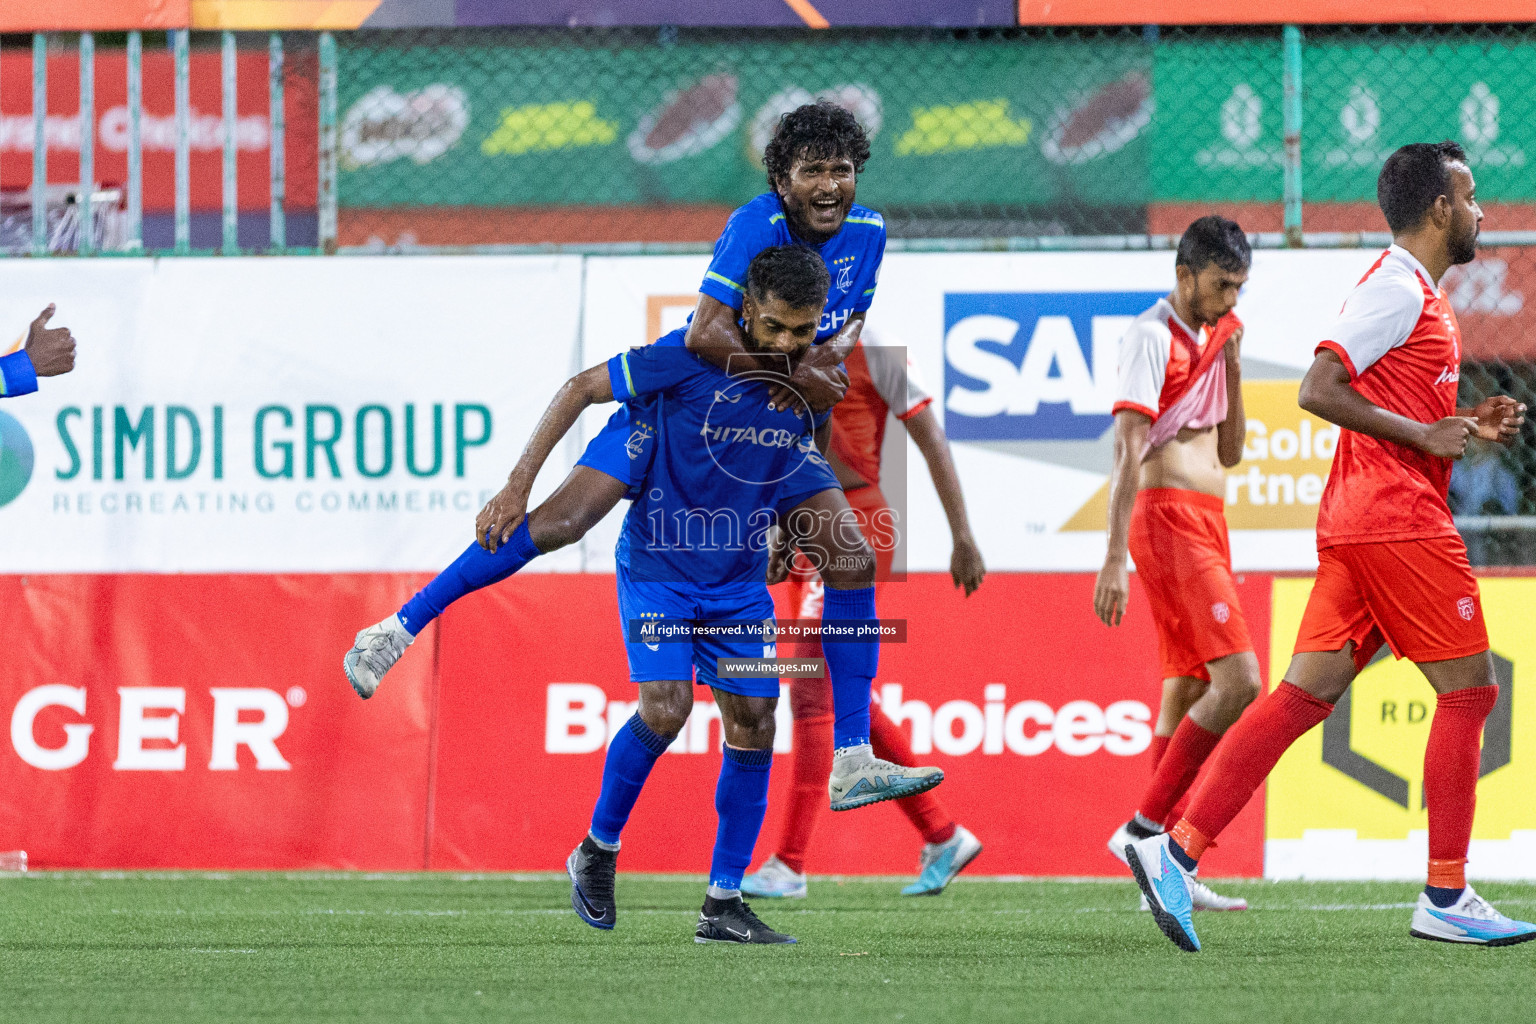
(1034,366)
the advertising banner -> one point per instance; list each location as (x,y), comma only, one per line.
(536,123)
(1219,132)
(483,750)
(203,722)
(279,415)
(761,13)
(158,128)
(1347,801)
(1020,350)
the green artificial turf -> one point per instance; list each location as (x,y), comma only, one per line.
(168,948)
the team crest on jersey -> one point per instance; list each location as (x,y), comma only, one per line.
(635,446)
(1220,612)
(1466,607)
(648,630)
(844,267)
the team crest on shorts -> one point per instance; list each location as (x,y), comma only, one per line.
(1465,607)
(1220,612)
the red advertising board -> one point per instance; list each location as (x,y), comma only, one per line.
(94,15)
(203,722)
(158,130)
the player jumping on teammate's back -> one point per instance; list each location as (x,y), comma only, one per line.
(813,160)
(1179,425)
(881,382)
(1392,568)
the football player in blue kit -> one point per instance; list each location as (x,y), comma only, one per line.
(727,470)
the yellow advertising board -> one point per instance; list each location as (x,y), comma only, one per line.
(1347,800)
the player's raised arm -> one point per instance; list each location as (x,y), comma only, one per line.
(715,334)
(966,567)
(1233,431)
(1112,589)
(1326,391)
(502,513)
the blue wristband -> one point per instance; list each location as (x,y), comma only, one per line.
(17,377)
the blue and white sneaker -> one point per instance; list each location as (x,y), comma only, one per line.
(941,862)
(774,880)
(1165,884)
(1471,920)
(859,779)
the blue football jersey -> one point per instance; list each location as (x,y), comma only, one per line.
(725,466)
(852,256)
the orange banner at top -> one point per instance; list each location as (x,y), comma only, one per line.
(1304,12)
(94,15)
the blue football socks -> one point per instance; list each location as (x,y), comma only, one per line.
(741,800)
(1442,897)
(630,758)
(474,569)
(851,664)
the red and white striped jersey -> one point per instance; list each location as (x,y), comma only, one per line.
(1174,375)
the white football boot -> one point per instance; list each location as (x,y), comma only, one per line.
(1200,895)
(374,653)
(774,880)
(859,779)
(1471,920)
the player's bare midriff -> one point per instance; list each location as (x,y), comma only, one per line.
(1188,463)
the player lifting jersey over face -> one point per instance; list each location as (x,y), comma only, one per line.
(1179,426)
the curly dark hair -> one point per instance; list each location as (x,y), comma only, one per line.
(820,131)
(793,273)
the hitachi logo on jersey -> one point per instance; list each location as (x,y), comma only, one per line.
(767,437)
(832,321)
(1449,375)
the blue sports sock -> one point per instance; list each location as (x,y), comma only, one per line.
(741,800)
(474,569)
(851,664)
(630,758)
(1442,897)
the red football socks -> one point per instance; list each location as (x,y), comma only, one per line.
(1247,754)
(1159,748)
(1187,750)
(811,766)
(924,810)
(1451,764)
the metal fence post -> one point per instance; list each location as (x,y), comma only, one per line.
(279,233)
(326,214)
(39,143)
(231,168)
(1291,37)
(135,241)
(87,143)
(183,144)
